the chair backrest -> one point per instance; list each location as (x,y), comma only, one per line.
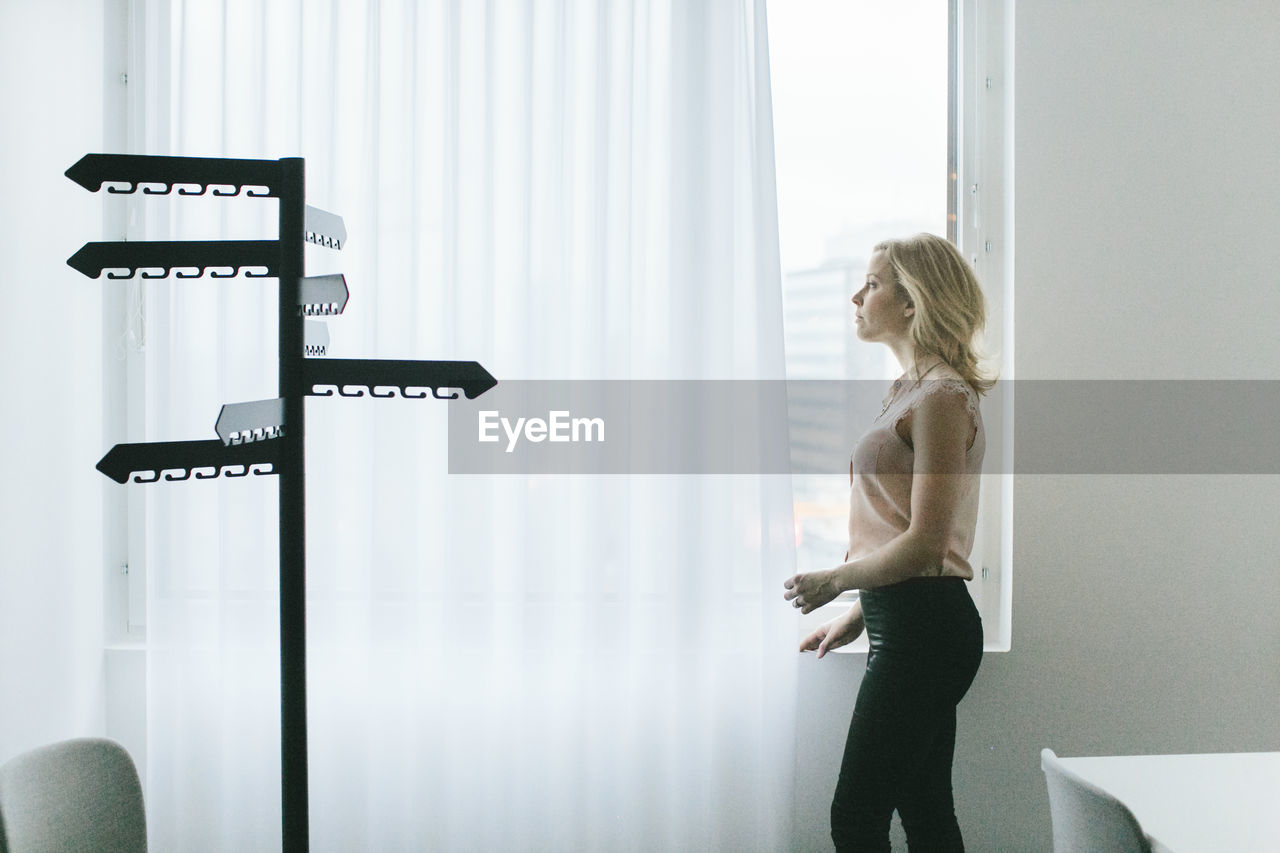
(1086,819)
(75,796)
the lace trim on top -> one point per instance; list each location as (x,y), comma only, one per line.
(934,386)
(951,384)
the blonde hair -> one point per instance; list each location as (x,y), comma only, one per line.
(950,308)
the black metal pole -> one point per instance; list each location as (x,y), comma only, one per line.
(293,531)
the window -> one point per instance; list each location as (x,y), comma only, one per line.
(124,609)
(889,119)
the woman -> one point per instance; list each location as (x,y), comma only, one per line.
(913,511)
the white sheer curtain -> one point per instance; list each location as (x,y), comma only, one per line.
(567,190)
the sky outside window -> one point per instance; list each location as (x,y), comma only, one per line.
(860,122)
(860,136)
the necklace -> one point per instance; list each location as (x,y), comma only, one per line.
(893,392)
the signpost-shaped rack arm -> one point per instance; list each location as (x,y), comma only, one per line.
(322,375)
(178,460)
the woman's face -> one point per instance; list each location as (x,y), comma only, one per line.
(881,313)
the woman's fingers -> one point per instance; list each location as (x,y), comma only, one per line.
(808,591)
(832,642)
(792,585)
(814,640)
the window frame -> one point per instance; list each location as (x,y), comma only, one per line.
(984,154)
(980,223)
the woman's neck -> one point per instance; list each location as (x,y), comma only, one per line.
(918,365)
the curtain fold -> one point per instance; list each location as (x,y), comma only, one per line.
(558,190)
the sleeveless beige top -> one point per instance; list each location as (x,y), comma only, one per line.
(880,473)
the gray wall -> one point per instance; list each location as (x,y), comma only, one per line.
(1147,211)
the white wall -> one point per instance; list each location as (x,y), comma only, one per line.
(1147,211)
(51,629)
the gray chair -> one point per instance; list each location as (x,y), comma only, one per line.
(75,796)
(1086,819)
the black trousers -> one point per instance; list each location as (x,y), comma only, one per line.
(926,644)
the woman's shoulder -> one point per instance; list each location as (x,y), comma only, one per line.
(947,380)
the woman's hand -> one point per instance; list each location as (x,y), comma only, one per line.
(840,631)
(810,590)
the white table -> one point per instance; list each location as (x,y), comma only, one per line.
(1218,803)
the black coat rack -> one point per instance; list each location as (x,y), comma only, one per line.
(265,436)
